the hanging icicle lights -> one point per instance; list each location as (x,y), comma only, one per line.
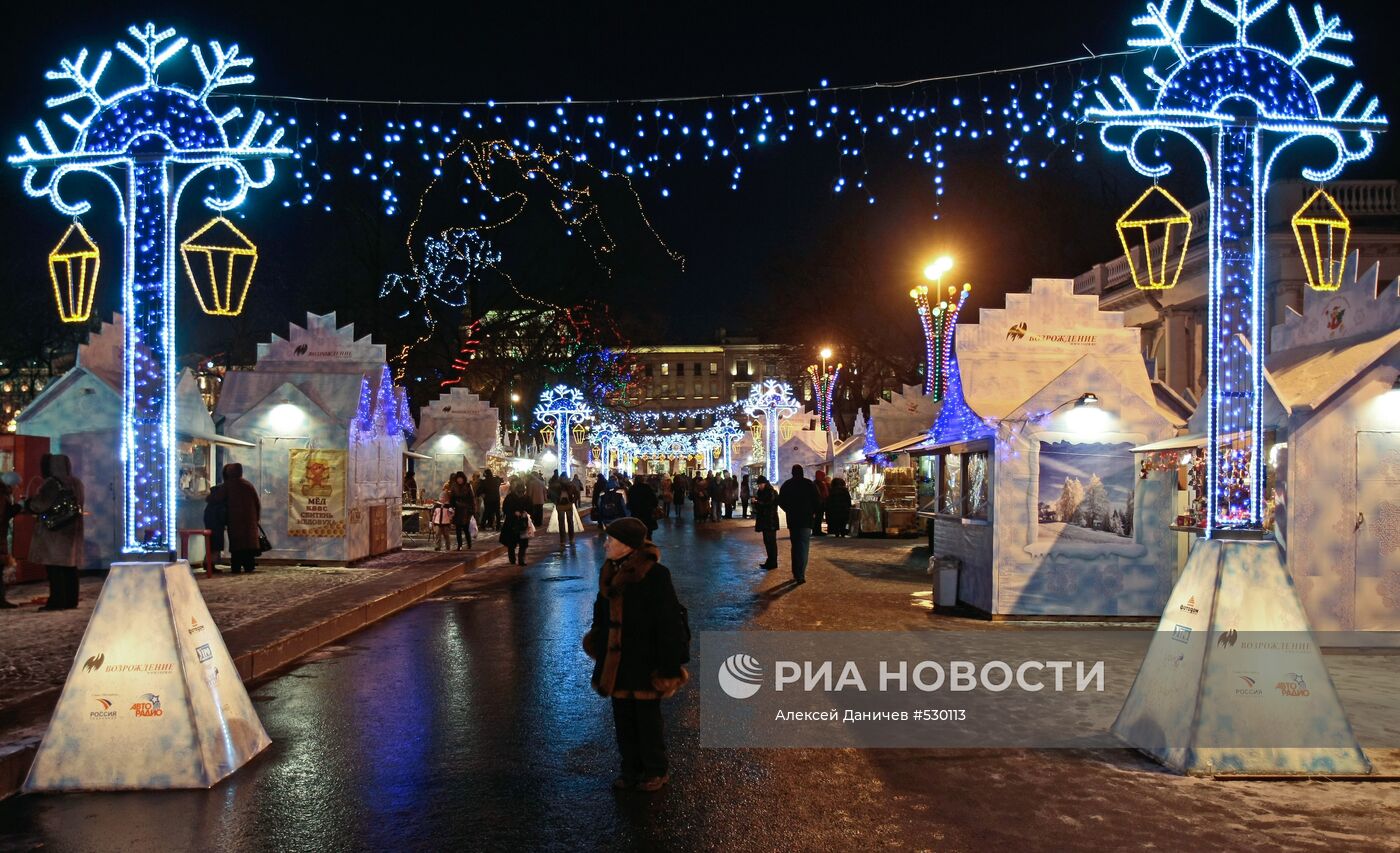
(394,147)
(1240,105)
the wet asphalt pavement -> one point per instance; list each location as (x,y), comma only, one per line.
(466,722)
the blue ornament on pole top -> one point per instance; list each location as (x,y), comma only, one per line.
(1240,104)
(771,401)
(148,141)
(562,408)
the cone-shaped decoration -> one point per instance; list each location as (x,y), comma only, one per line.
(1159,227)
(73,268)
(1323,230)
(220,259)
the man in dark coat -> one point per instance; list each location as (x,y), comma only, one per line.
(243,510)
(765,515)
(745,495)
(490,500)
(642,503)
(216,522)
(799,500)
(515,522)
(639,642)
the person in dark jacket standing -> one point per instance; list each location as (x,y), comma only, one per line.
(515,523)
(243,510)
(823,492)
(765,515)
(838,508)
(639,643)
(463,508)
(9,508)
(216,522)
(680,487)
(642,503)
(745,495)
(798,498)
(490,500)
(59,550)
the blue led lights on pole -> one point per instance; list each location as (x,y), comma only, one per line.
(563,408)
(148,141)
(1240,105)
(772,401)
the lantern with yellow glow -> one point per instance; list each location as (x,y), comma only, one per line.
(220,259)
(1322,230)
(73,267)
(547,433)
(1160,226)
(580,432)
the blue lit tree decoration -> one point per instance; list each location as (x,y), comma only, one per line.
(148,142)
(563,408)
(772,401)
(1241,105)
(728,431)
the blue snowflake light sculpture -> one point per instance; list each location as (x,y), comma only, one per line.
(562,408)
(727,431)
(1240,104)
(772,401)
(148,142)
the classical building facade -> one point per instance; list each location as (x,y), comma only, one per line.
(1173,321)
(679,379)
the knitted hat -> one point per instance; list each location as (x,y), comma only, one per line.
(631,532)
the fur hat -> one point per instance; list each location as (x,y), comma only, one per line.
(631,532)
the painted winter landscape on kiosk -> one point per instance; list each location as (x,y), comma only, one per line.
(1086,492)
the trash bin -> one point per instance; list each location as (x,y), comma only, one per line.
(948,581)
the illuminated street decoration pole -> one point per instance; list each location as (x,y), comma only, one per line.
(772,402)
(562,408)
(148,142)
(728,431)
(945,326)
(1240,105)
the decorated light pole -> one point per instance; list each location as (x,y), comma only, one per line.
(148,142)
(562,408)
(772,402)
(824,380)
(1234,612)
(1239,105)
(728,431)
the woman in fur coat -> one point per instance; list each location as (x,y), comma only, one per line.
(639,642)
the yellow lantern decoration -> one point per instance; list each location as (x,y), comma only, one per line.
(220,259)
(580,433)
(73,268)
(547,433)
(1156,215)
(1323,231)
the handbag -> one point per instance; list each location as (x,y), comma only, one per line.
(63,512)
(264,544)
(529,528)
(471,527)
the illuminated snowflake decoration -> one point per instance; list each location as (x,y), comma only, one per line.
(562,407)
(772,401)
(1240,104)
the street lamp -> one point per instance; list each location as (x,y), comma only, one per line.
(934,273)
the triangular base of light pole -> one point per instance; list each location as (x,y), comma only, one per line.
(1234,681)
(153,700)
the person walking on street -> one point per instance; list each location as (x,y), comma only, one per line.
(537,494)
(515,523)
(564,508)
(216,522)
(745,495)
(610,507)
(9,508)
(765,516)
(640,643)
(731,495)
(838,508)
(442,519)
(823,492)
(463,508)
(666,496)
(244,511)
(642,505)
(58,535)
(798,499)
(701,499)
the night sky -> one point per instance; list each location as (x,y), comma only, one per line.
(765,259)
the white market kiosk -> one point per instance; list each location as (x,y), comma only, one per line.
(1037,493)
(325,427)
